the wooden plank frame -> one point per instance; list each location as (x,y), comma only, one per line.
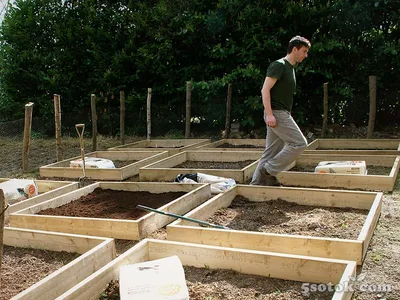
(347,249)
(62,169)
(164,170)
(345,181)
(281,266)
(47,190)
(173,146)
(354,146)
(95,253)
(138,229)
(259,145)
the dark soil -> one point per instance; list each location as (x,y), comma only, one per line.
(205,283)
(215,165)
(282,217)
(372,170)
(227,145)
(23,267)
(112,204)
(169,147)
(123,163)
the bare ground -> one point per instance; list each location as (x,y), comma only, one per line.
(381,263)
(23,267)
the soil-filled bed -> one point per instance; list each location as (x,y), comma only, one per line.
(205,283)
(282,217)
(22,267)
(371,170)
(112,204)
(214,165)
(123,163)
(226,145)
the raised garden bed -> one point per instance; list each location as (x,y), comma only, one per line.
(203,162)
(354,146)
(173,146)
(127,165)
(38,252)
(371,182)
(47,190)
(211,259)
(235,144)
(278,227)
(111,209)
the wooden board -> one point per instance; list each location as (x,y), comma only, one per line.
(47,190)
(344,181)
(143,158)
(354,146)
(173,146)
(184,231)
(259,144)
(282,266)
(116,228)
(95,253)
(164,170)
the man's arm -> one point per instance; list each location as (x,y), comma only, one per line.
(266,99)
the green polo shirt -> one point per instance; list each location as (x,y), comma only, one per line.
(285,86)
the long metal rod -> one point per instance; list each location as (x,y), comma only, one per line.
(181,217)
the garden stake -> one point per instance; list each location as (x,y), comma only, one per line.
(80,128)
(181,217)
(3,209)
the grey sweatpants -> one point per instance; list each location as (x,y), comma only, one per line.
(283,144)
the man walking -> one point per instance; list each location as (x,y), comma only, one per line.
(284,141)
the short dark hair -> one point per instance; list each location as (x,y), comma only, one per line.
(298,42)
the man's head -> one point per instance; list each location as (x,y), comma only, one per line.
(298,48)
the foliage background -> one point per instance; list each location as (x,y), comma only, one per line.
(76,48)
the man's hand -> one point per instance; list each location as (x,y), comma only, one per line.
(271,121)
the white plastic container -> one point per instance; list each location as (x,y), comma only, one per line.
(342,167)
(157,279)
(93,163)
(16,190)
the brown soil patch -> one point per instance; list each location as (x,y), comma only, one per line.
(227,145)
(282,217)
(168,147)
(112,204)
(214,165)
(23,267)
(372,170)
(123,163)
(205,283)
(124,245)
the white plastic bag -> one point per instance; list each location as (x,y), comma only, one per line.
(156,280)
(218,184)
(93,163)
(16,190)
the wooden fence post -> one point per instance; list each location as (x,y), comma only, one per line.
(57,119)
(94,122)
(188,108)
(372,106)
(122,117)
(27,136)
(228,112)
(149,113)
(325,117)
(3,208)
